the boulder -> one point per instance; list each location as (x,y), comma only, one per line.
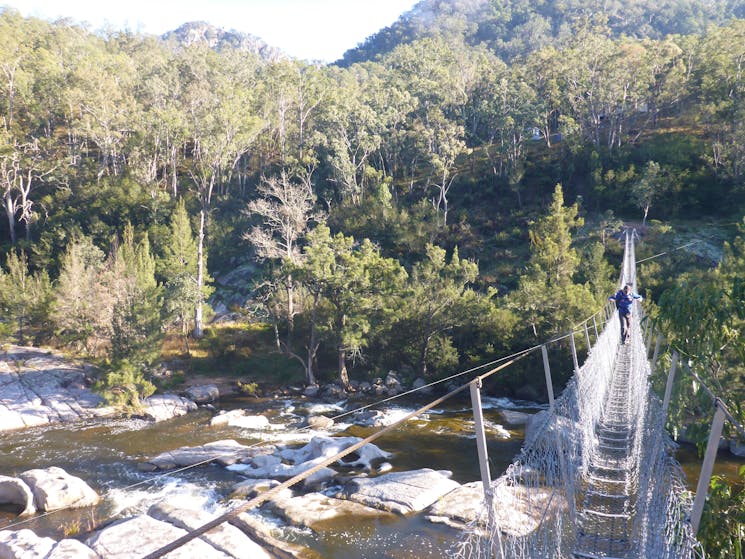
(421,386)
(225,537)
(314,508)
(320,422)
(24,544)
(55,489)
(312,390)
(737,447)
(400,492)
(225,417)
(15,492)
(251,487)
(516,417)
(72,549)
(225,453)
(203,394)
(166,406)
(117,540)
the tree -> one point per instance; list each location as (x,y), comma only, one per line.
(24,297)
(136,316)
(218,96)
(178,268)
(647,188)
(83,301)
(437,300)
(352,289)
(547,296)
(285,208)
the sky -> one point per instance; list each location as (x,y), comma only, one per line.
(317,30)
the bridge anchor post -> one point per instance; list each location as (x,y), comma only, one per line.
(707,467)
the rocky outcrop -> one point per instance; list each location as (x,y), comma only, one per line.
(39,387)
(14,491)
(225,453)
(400,492)
(54,489)
(166,406)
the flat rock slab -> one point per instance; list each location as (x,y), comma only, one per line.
(224,452)
(147,535)
(400,492)
(313,509)
(225,537)
(459,507)
(38,387)
(72,549)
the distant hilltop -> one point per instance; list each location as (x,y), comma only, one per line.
(216,38)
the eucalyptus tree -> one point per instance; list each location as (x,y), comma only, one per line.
(23,166)
(221,128)
(157,149)
(285,209)
(430,70)
(102,104)
(718,77)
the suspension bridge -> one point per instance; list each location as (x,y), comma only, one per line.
(598,479)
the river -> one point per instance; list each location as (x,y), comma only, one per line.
(106,455)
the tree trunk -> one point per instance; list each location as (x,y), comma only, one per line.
(343,375)
(198,327)
(10,208)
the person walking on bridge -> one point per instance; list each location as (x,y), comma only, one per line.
(624,299)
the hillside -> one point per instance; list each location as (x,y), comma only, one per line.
(515,27)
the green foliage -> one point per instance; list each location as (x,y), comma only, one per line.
(125,386)
(722,529)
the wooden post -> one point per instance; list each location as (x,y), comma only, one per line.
(549,382)
(707,467)
(595,325)
(669,385)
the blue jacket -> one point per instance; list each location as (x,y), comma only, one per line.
(624,301)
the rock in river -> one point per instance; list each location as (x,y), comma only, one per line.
(55,489)
(401,492)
